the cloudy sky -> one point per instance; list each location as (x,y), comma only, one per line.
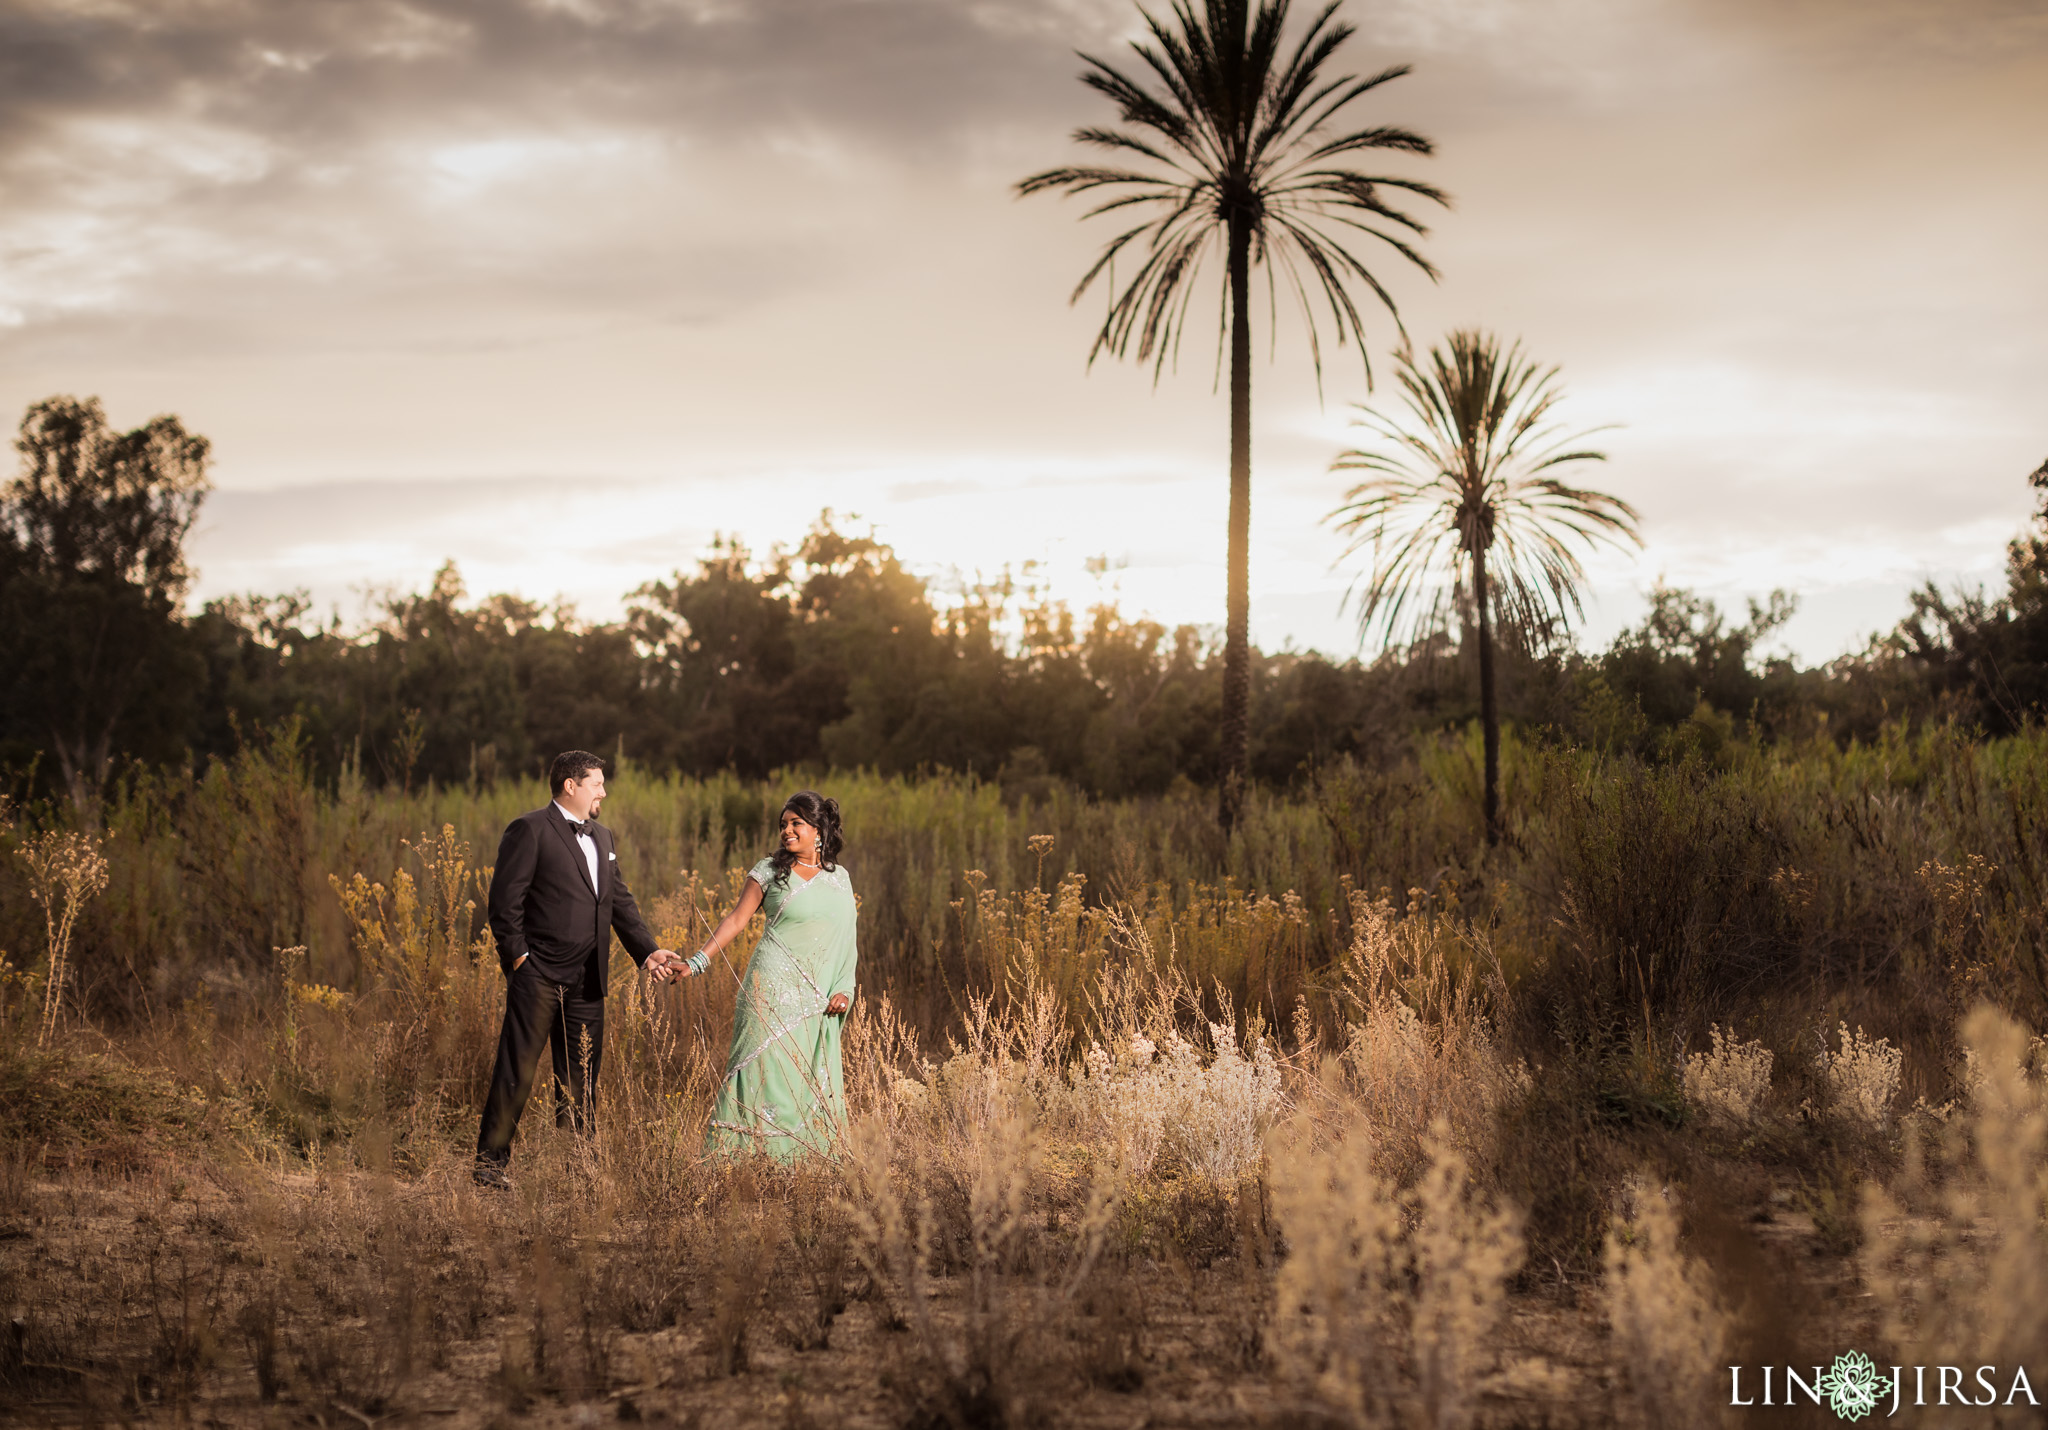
(559,289)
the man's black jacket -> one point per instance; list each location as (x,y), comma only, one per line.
(542,904)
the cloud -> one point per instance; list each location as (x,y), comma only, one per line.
(720,262)
(316,79)
(363,141)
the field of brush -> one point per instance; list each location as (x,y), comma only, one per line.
(1346,1120)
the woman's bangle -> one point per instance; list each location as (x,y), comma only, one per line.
(700,961)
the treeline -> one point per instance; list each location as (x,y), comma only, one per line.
(831,654)
(835,654)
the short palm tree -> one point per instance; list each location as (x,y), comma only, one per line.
(1232,139)
(1464,496)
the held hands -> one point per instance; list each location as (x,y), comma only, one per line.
(666,964)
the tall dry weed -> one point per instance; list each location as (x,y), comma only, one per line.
(1419,1047)
(976,1373)
(1202,1113)
(1221,1108)
(1728,1082)
(747,1241)
(1386,1306)
(1162,1084)
(66,870)
(18,1165)
(360,1250)
(881,1055)
(985,1367)
(433,990)
(1861,1075)
(1956,1253)
(1666,1322)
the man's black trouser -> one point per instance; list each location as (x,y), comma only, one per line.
(537,1010)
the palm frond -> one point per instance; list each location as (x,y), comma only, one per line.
(1341,96)
(1081,180)
(1117,139)
(1225,109)
(1462,469)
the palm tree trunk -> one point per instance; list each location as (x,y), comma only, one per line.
(1489,710)
(1237,654)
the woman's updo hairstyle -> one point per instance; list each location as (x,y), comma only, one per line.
(821,814)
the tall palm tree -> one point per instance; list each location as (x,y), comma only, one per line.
(1233,139)
(1462,496)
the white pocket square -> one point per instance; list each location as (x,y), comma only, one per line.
(613,857)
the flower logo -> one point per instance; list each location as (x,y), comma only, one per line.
(1851,1385)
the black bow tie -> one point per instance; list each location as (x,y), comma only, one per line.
(579,826)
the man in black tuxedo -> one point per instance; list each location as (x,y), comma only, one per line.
(557,894)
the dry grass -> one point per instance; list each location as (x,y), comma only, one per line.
(1670,1328)
(1386,1306)
(1956,1252)
(65,871)
(1194,1152)
(1861,1075)
(1730,1081)
(1419,1049)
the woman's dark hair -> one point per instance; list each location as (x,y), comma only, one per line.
(821,814)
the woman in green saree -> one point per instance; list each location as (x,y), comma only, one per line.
(784,1093)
